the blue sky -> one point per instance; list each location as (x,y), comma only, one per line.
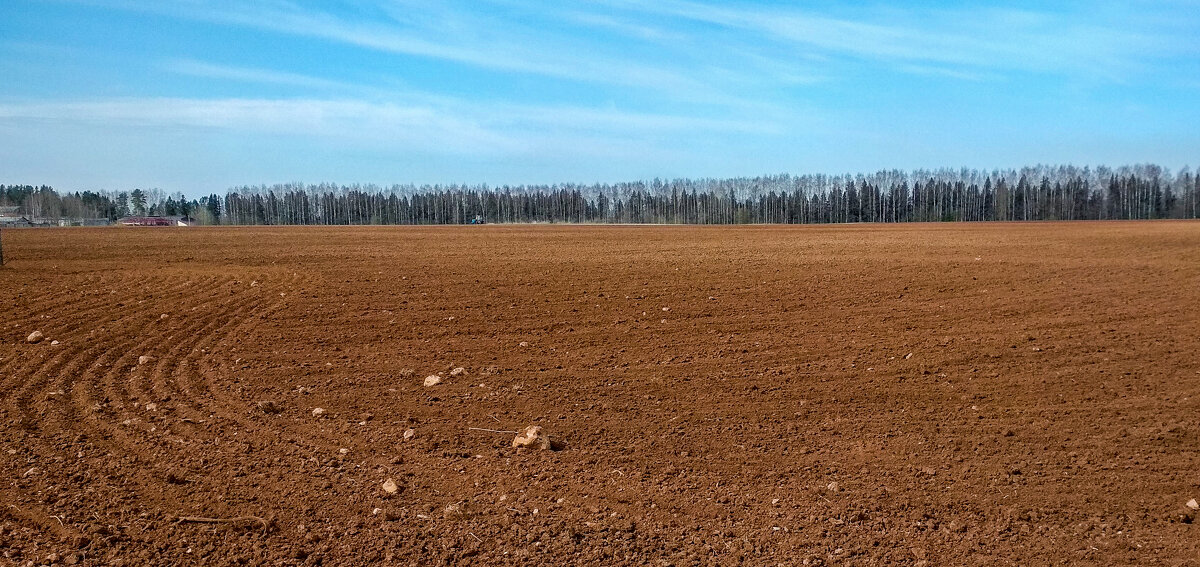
(197,96)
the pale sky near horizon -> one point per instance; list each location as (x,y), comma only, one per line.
(197,96)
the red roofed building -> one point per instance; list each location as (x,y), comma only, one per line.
(149,221)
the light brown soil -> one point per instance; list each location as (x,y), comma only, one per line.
(957,394)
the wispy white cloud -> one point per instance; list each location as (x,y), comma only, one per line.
(207,70)
(920,39)
(947,72)
(452,35)
(450,127)
(340,120)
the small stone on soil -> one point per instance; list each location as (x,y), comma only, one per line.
(318,412)
(35,337)
(531,438)
(433,380)
(145,359)
(390,487)
(457,371)
(409,434)
(1193,504)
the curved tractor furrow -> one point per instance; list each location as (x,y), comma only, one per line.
(112,387)
(66,294)
(49,381)
(159,383)
(94,310)
(132,454)
(50,437)
(22,380)
(222,383)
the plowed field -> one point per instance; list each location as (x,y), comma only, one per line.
(943,394)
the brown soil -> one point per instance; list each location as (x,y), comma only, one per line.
(951,394)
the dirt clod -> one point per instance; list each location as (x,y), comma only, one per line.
(270,406)
(531,438)
(455,511)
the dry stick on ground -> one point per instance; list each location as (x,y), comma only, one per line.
(492,430)
(202,520)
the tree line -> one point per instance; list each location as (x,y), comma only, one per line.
(1027,194)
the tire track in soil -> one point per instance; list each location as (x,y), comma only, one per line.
(55,300)
(70,360)
(156,384)
(81,317)
(130,444)
(13,378)
(70,380)
(213,329)
(55,421)
(219,380)
(116,389)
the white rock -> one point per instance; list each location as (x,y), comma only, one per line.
(531,438)
(35,337)
(458,371)
(144,359)
(343,451)
(1193,504)
(524,344)
(53,343)
(833,486)
(318,412)
(390,487)
(151,407)
(409,434)
(432,380)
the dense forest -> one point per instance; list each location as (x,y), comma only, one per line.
(1032,193)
